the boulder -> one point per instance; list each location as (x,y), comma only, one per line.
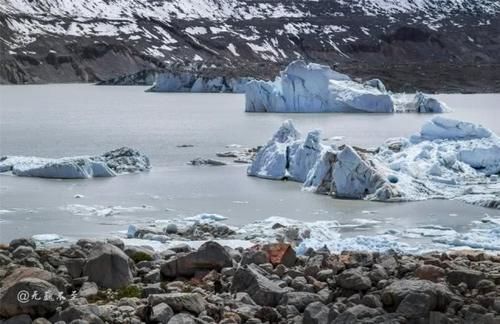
(354,279)
(108,267)
(356,314)
(316,313)
(439,295)
(140,253)
(22,298)
(74,266)
(87,313)
(14,244)
(187,302)
(252,279)
(162,313)
(470,277)
(299,299)
(429,272)
(210,256)
(416,305)
(88,289)
(31,272)
(257,257)
(182,318)
(19,319)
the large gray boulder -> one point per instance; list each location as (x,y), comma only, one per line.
(108,267)
(316,313)
(252,279)
(182,318)
(187,302)
(358,314)
(470,277)
(210,256)
(88,313)
(354,279)
(162,313)
(299,299)
(438,295)
(18,298)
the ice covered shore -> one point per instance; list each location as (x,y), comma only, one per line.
(109,164)
(316,88)
(448,159)
(374,234)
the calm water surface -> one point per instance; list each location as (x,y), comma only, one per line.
(65,120)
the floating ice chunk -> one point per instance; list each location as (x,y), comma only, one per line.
(196,82)
(427,104)
(353,177)
(486,159)
(109,164)
(271,160)
(102,211)
(48,238)
(488,239)
(312,87)
(206,217)
(451,129)
(350,96)
(398,170)
(376,83)
(429,231)
(125,160)
(303,156)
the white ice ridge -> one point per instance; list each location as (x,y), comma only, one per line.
(448,159)
(109,164)
(317,88)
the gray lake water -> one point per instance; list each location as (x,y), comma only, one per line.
(66,120)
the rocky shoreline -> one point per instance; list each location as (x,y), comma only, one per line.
(108,282)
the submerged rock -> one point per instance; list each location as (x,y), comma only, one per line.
(200,161)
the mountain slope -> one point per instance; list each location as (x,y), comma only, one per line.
(76,40)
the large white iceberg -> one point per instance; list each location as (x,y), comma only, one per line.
(109,164)
(313,87)
(448,159)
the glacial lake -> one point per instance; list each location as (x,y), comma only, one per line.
(74,119)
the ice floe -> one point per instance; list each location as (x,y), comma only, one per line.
(317,88)
(448,159)
(109,164)
(103,211)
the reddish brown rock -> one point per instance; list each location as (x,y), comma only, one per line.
(280,253)
(430,272)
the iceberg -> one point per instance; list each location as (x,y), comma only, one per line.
(317,88)
(271,160)
(427,104)
(195,82)
(109,164)
(448,159)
